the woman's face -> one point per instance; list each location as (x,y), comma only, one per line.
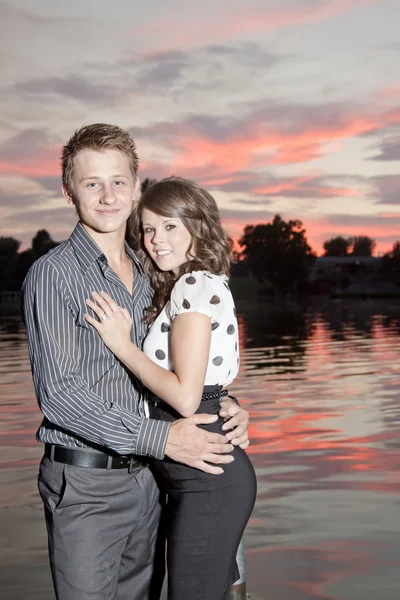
(166,240)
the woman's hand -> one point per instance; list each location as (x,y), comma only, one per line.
(114,324)
(237,420)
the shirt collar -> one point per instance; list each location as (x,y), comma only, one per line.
(87,251)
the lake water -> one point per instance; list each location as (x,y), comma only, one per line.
(322,384)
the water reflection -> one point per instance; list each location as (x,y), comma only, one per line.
(323,387)
(276,334)
(322,383)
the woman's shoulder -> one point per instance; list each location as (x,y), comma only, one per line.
(200,282)
(198,290)
(201,277)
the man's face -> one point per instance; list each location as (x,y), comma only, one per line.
(104,190)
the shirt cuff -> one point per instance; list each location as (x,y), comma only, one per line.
(152,438)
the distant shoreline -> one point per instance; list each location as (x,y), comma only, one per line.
(246,288)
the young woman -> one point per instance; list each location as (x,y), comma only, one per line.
(190,354)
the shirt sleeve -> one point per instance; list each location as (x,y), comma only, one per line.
(197,292)
(64,396)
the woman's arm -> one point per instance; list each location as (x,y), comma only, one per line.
(190,347)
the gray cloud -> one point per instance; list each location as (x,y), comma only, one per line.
(389,150)
(46,218)
(161,71)
(294,187)
(166,70)
(104,83)
(71,86)
(359,220)
(51,184)
(245,202)
(12,15)
(248,216)
(25,143)
(100,89)
(248,54)
(388,188)
(18,201)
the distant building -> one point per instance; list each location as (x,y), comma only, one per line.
(328,266)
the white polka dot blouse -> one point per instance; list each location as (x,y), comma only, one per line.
(209,294)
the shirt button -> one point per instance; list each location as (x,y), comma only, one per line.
(102,258)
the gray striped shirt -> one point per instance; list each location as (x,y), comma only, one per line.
(88,398)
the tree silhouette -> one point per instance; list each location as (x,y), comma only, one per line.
(395,251)
(362,246)
(15,265)
(337,246)
(42,242)
(8,262)
(278,252)
(390,265)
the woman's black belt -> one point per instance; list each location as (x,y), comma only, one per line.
(210,392)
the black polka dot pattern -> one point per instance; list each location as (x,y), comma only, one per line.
(190,295)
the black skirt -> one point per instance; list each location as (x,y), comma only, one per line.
(205,514)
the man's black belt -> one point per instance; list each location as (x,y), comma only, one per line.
(94,459)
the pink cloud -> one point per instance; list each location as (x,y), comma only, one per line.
(257,142)
(41,160)
(390,92)
(293,183)
(40,168)
(227,25)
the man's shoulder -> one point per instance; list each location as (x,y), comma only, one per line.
(55,260)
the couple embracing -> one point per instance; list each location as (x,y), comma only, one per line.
(131,352)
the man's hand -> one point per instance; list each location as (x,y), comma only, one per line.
(193,446)
(237,422)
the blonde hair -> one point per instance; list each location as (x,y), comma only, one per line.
(98,136)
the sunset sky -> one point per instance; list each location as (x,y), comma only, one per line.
(289,106)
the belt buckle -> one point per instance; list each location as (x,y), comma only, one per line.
(130,464)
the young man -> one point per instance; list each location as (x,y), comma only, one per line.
(101,502)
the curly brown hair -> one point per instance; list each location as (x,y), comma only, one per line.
(176,197)
(97,136)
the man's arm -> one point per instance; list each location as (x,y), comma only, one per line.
(64,396)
